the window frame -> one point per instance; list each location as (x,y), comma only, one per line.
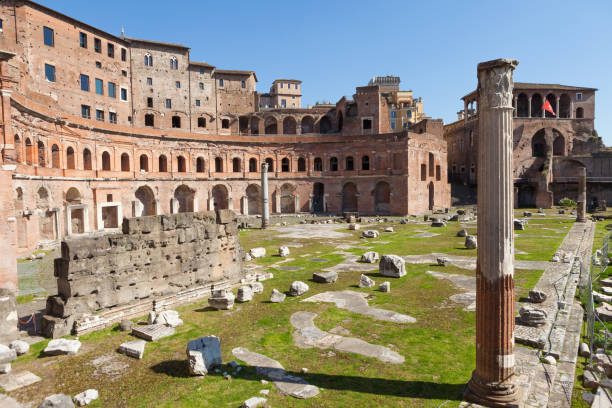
(99,115)
(49,68)
(84,79)
(112,117)
(110,50)
(86,111)
(51,32)
(83,39)
(124,94)
(113,86)
(99,86)
(98,45)
(168,103)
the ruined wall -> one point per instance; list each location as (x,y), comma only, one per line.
(155,256)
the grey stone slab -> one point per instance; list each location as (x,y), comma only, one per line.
(14,381)
(289,268)
(152,332)
(318,260)
(8,402)
(133,348)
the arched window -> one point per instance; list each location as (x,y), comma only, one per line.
(318,164)
(522,108)
(225,124)
(289,126)
(218,164)
(253,165)
(162,164)
(579,113)
(149,119)
(285,165)
(333,164)
(236,168)
(86,159)
(180,164)
(538,144)
(148,60)
(431,165)
(270,164)
(144,162)
(349,163)
(55,157)
(173,63)
(106,161)
(28,146)
(365,163)
(70,158)
(301,164)
(125,162)
(41,153)
(200,165)
(18,148)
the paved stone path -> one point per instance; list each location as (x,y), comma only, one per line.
(356,302)
(468,262)
(351,264)
(465,283)
(301,231)
(307,335)
(272,369)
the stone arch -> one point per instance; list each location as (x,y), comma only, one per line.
(184,196)
(270,126)
(18,149)
(218,165)
(552,99)
(87,164)
(125,162)
(522,106)
(565,106)
(253,194)
(146,197)
(162,162)
(46,222)
(287,198)
(76,215)
(307,124)
(318,197)
(254,125)
(270,162)
(325,125)
(55,157)
(536,105)
(350,197)
(243,124)
(382,198)
(106,161)
(40,146)
(181,164)
(365,162)
(301,164)
(289,125)
(318,164)
(253,165)
(144,162)
(200,165)
(432,194)
(28,152)
(539,147)
(73,196)
(220,197)
(579,113)
(236,165)
(285,165)
(558,144)
(70,160)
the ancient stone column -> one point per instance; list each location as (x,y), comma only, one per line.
(493,382)
(581,210)
(265,209)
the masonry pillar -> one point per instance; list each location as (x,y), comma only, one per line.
(581,210)
(529,105)
(8,260)
(265,209)
(7,145)
(493,381)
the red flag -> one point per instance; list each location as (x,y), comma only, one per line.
(548,107)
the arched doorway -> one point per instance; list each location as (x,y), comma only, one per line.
(526,196)
(70,162)
(324,125)
(538,144)
(46,224)
(558,144)
(287,198)
(145,196)
(220,197)
(318,192)
(307,124)
(270,126)
(536,105)
(289,126)
(184,197)
(382,198)
(253,199)
(349,198)
(430,188)
(77,215)
(522,107)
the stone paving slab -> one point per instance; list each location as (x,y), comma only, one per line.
(468,262)
(14,381)
(465,283)
(307,335)
(351,264)
(152,332)
(301,231)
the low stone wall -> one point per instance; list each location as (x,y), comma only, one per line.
(156,257)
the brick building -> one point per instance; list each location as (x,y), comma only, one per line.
(96,128)
(548,149)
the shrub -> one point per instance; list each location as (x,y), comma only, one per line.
(566,202)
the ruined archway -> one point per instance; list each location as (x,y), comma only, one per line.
(55,157)
(349,198)
(146,199)
(253,193)
(526,196)
(536,105)
(125,162)
(162,162)
(307,124)
(325,125)
(184,196)
(382,198)
(86,159)
(28,152)
(289,125)
(287,203)
(144,162)
(522,106)
(220,197)
(538,144)
(270,126)
(76,215)
(252,165)
(41,154)
(106,161)
(70,161)
(254,125)
(558,144)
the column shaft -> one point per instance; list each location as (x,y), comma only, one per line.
(265,209)
(581,210)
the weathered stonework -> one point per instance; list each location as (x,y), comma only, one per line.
(155,257)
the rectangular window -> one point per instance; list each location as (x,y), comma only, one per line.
(149,81)
(100,115)
(99,86)
(168,103)
(112,90)
(366,124)
(48,36)
(284,103)
(201,70)
(98,64)
(178,84)
(85,111)
(123,94)
(221,82)
(49,73)
(83,40)
(111,50)
(243,84)
(201,85)
(281,84)
(123,72)
(149,102)
(0,25)
(84,83)
(123,54)
(112,117)
(197,102)
(578,96)
(392,125)
(98,45)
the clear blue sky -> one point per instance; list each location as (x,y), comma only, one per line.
(334,46)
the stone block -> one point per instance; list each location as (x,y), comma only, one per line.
(385,287)
(325,277)
(277,297)
(470,242)
(7,354)
(168,318)
(254,402)
(245,294)
(57,401)
(15,381)
(134,348)
(392,266)
(203,354)
(370,257)
(225,216)
(20,347)
(257,252)
(86,397)
(222,300)
(283,251)
(152,332)
(366,282)
(55,327)
(62,346)
(298,288)
(370,234)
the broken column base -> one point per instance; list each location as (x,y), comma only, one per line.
(492,395)
(56,327)
(8,316)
